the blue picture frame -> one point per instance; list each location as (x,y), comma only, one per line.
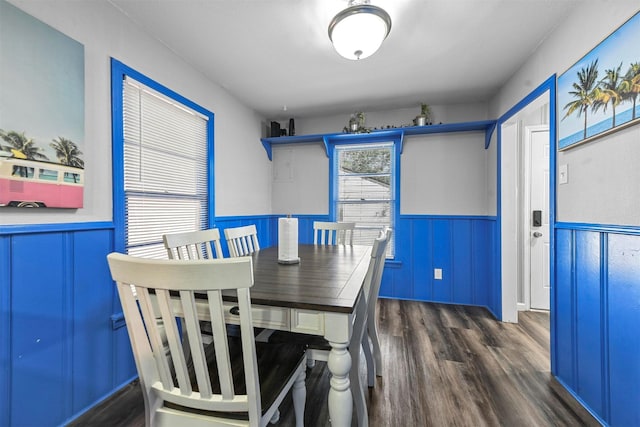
(600,93)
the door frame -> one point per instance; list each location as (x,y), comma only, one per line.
(508,213)
(526,209)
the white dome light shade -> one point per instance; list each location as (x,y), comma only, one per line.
(358,31)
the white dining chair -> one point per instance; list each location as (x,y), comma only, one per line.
(200,244)
(242,241)
(371,347)
(333,233)
(232,381)
(319,349)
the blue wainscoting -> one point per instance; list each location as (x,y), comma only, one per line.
(58,347)
(462,246)
(597,319)
(63,342)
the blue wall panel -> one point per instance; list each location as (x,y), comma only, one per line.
(57,301)
(588,319)
(463,247)
(597,316)
(624,329)
(40,321)
(564,338)
(421,260)
(5,330)
(93,305)
(441,246)
(482,257)
(402,277)
(462,272)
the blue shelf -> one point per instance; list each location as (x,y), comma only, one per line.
(488,126)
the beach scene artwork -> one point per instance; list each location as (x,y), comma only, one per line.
(41,114)
(601,92)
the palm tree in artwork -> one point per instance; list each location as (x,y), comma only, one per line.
(19,142)
(67,152)
(584,92)
(630,86)
(608,92)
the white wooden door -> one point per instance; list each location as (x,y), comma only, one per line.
(539,230)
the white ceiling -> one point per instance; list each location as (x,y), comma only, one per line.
(276,53)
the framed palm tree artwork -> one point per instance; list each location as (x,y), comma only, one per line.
(41,114)
(600,93)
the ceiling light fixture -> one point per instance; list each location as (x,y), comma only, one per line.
(358,31)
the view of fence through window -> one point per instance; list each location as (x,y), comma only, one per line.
(365,195)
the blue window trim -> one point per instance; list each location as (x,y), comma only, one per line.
(118,73)
(331,141)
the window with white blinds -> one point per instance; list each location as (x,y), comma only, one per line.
(364,189)
(165,169)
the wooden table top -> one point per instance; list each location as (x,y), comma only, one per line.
(328,278)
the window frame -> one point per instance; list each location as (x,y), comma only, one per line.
(118,73)
(342,140)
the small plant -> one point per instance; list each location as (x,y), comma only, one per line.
(356,124)
(425,110)
(424,117)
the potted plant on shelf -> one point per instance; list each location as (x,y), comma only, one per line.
(424,117)
(356,123)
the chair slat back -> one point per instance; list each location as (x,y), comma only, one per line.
(333,233)
(242,241)
(201,244)
(374,272)
(166,290)
(373,278)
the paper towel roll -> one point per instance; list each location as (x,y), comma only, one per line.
(288,240)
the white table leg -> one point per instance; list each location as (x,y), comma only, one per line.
(338,330)
(340,399)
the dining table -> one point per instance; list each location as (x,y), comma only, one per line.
(316,296)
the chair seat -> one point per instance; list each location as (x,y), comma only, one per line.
(276,364)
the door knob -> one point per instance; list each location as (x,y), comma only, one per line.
(537,234)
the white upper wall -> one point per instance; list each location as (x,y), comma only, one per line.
(381,119)
(602,173)
(243,171)
(300,179)
(443,174)
(589,24)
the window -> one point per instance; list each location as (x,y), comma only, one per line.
(166,177)
(72,177)
(22,171)
(364,189)
(48,175)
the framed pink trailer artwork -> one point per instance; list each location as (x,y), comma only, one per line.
(41,114)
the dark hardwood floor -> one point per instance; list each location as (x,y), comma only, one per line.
(445,365)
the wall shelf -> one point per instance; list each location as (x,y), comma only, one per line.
(488,126)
